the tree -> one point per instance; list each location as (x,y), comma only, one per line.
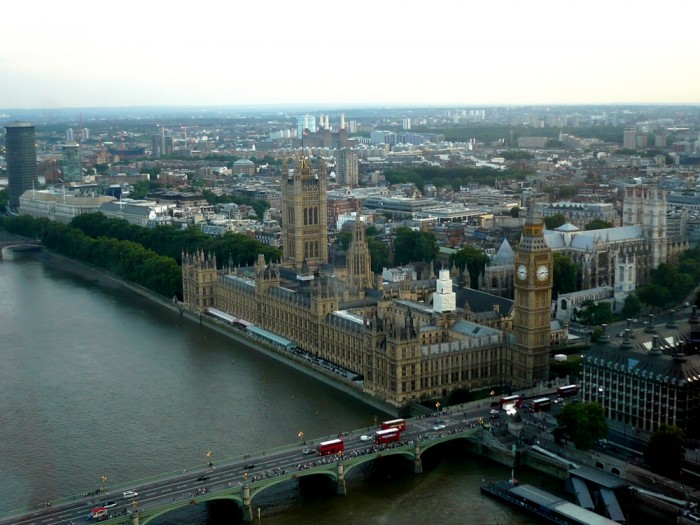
(582,423)
(566,192)
(654,295)
(665,450)
(556,220)
(598,224)
(379,253)
(632,306)
(412,246)
(563,274)
(472,259)
(344,239)
(592,313)
(4,199)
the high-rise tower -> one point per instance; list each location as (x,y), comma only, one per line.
(532,309)
(20,140)
(305,216)
(72,163)
(348,171)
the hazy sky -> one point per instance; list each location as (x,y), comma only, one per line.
(72,53)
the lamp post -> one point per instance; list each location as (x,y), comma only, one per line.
(103,480)
(209,454)
(437,406)
(301,437)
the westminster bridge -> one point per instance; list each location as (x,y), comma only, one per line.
(242,479)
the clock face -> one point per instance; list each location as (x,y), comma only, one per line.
(522,272)
(542,273)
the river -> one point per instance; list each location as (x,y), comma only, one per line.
(98,386)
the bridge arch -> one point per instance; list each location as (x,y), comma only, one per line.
(146,517)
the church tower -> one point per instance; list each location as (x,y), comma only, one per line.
(305,216)
(359,261)
(532,309)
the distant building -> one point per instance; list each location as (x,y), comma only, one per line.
(306,122)
(59,205)
(347,170)
(629,138)
(243,167)
(20,141)
(72,163)
(532,142)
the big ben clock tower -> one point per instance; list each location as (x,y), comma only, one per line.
(532,309)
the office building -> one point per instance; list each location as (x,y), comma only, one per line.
(629,138)
(20,141)
(649,378)
(72,163)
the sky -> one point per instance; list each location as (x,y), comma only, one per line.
(75,53)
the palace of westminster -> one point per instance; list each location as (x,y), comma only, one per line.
(407,341)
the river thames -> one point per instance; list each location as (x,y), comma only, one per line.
(99,385)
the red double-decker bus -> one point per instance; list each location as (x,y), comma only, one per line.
(543,403)
(334,446)
(399,424)
(387,436)
(567,391)
(515,400)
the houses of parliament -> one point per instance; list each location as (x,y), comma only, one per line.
(405,342)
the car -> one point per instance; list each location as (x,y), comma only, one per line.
(307,450)
(365,437)
(128,494)
(494,412)
(109,504)
(439,427)
(202,478)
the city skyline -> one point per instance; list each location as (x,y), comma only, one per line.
(81,54)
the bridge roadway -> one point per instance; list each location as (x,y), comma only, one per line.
(241,479)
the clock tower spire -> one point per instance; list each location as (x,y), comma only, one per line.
(533,298)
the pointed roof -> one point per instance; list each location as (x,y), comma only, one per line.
(568,227)
(504,255)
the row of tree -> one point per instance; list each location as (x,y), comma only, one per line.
(126,259)
(239,249)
